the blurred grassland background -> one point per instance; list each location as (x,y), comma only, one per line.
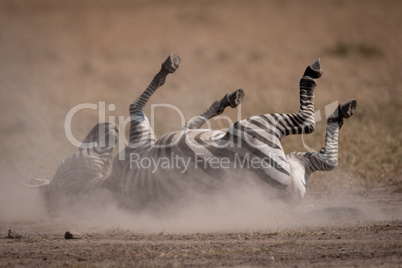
(57,54)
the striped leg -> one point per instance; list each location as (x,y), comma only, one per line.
(276,126)
(142,136)
(304,164)
(327,158)
(303,120)
(141,133)
(231,99)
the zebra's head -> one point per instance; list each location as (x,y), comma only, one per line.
(103,136)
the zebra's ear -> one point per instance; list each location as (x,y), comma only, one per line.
(36,183)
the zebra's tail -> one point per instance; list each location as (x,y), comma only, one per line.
(36,183)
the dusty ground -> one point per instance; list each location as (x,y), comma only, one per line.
(326,231)
(57,54)
(324,235)
(366,245)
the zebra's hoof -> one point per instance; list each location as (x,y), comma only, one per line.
(172,63)
(314,70)
(348,108)
(235,98)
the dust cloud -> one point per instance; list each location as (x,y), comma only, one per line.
(242,208)
(19,203)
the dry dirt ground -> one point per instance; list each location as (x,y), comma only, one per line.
(367,245)
(57,54)
(322,232)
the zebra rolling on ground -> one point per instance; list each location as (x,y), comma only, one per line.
(194,159)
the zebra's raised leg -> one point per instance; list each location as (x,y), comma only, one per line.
(276,126)
(233,100)
(302,121)
(141,133)
(327,158)
(304,164)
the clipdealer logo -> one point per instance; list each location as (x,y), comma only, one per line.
(124,122)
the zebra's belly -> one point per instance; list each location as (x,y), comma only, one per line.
(198,160)
(299,178)
(217,154)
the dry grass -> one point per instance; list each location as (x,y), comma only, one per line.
(57,54)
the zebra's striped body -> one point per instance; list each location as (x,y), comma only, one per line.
(154,172)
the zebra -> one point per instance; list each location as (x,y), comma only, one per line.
(257,138)
(193,159)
